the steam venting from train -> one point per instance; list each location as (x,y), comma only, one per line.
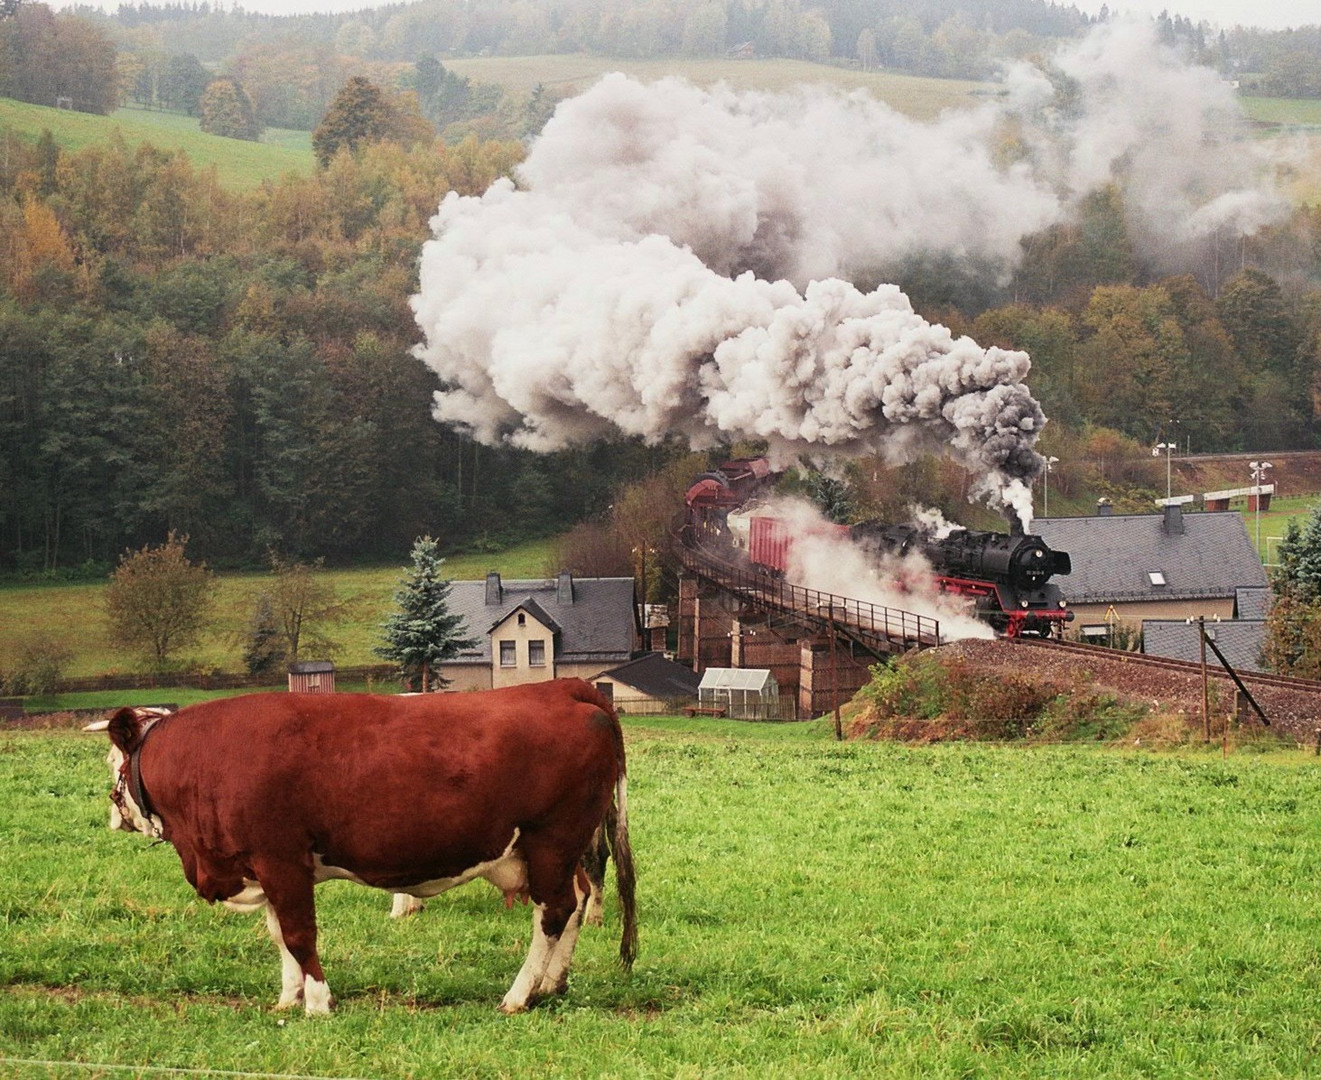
(674,260)
(820,559)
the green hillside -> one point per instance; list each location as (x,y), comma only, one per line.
(239,165)
(917,97)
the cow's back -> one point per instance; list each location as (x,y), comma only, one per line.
(392,789)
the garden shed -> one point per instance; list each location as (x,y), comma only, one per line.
(312,677)
(746,693)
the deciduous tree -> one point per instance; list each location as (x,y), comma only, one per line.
(158,601)
(226,110)
(306,607)
(360,113)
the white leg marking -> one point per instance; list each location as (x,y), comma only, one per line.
(317,999)
(405,905)
(595,914)
(291,972)
(522,994)
(556,978)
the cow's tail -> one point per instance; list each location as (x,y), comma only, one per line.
(625,880)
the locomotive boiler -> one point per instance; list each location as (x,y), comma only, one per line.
(1006,576)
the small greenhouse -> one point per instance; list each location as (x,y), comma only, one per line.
(744,693)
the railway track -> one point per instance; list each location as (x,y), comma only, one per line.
(1187,667)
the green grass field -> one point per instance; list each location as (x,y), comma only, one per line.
(917,97)
(239,165)
(808,909)
(75,613)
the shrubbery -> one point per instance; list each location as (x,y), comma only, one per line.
(932,698)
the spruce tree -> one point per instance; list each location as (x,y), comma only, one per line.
(423,632)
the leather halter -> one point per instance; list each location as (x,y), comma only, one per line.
(134,773)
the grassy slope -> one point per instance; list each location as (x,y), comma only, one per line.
(74,613)
(238,164)
(917,97)
(807,909)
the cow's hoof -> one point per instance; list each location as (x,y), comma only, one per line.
(317,999)
(511,1007)
(288,1001)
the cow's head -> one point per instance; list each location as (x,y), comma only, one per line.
(127,728)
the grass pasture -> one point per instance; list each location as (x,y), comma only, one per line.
(75,613)
(239,165)
(918,97)
(808,909)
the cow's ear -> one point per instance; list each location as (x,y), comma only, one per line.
(125,729)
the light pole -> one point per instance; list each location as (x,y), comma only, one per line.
(1258,474)
(1045,480)
(1169,449)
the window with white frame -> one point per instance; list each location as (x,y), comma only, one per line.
(509,654)
(536,653)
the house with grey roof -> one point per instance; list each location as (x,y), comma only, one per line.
(650,684)
(1240,640)
(1131,568)
(533,630)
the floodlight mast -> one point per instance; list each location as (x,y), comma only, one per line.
(1258,474)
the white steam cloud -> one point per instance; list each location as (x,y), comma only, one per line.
(671,262)
(821,559)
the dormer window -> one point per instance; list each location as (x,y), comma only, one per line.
(1156,578)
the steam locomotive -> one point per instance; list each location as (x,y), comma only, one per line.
(1006,575)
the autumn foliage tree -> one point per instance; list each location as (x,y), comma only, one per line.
(226,110)
(362,113)
(158,601)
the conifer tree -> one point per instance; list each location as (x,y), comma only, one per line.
(423,632)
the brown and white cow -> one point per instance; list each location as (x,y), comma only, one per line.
(267,795)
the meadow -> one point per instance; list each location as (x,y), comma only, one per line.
(75,613)
(239,165)
(915,96)
(808,909)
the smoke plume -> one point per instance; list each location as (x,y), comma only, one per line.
(820,558)
(674,260)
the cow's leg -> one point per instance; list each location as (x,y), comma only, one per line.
(594,863)
(291,972)
(405,905)
(556,978)
(557,907)
(293,913)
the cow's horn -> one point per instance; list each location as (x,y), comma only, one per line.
(97,725)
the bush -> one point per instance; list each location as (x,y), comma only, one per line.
(930,697)
(39,669)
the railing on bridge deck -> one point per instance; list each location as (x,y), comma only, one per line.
(879,629)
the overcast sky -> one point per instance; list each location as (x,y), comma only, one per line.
(1269,14)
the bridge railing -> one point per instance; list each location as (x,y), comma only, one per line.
(898,627)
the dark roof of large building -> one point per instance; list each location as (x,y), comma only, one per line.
(1240,640)
(593,618)
(1128,557)
(657,677)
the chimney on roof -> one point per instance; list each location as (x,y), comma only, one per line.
(1173,524)
(494,590)
(564,590)
(1103,507)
